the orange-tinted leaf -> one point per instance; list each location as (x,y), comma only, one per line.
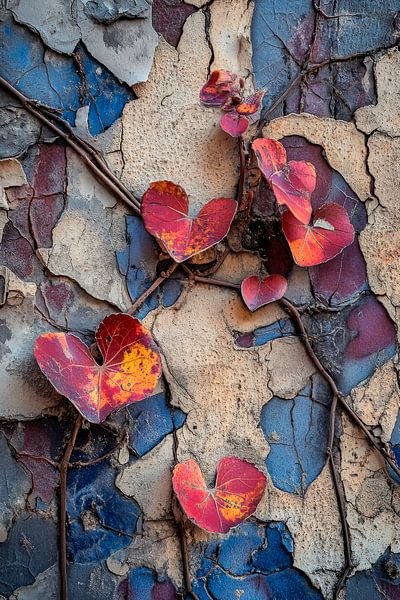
(234,124)
(238,490)
(257,292)
(271,156)
(130,370)
(250,105)
(292,182)
(314,244)
(218,88)
(165,213)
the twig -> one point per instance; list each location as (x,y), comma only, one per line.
(164,275)
(92,151)
(373,440)
(180,523)
(53,463)
(337,484)
(294,313)
(95,461)
(242,176)
(100,170)
(64,464)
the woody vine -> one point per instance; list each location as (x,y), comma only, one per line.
(124,366)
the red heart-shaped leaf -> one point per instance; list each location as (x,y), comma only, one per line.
(292,182)
(218,89)
(314,244)
(257,292)
(165,214)
(234,124)
(130,370)
(238,490)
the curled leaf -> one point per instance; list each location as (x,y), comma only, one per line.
(257,292)
(129,372)
(314,244)
(292,182)
(250,105)
(219,88)
(165,207)
(239,488)
(234,124)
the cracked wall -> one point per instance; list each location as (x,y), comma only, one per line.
(126,77)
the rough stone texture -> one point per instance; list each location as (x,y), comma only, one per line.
(173,133)
(237,383)
(24,392)
(91,221)
(11,175)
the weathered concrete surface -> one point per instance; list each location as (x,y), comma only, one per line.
(167,132)
(221,386)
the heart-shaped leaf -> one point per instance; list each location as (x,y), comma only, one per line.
(257,292)
(218,89)
(292,182)
(234,124)
(238,490)
(314,244)
(165,208)
(129,372)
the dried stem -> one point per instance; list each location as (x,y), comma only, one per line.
(294,313)
(101,171)
(164,275)
(373,440)
(341,503)
(179,520)
(242,176)
(64,464)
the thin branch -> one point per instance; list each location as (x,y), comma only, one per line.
(242,176)
(64,464)
(164,275)
(95,461)
(53,463)
(294,313)
(179,521)
(373,440)
(101,171)
(341,503)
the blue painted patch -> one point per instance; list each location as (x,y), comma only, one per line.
(263,335)
(346,343)
(282,33)
(101,519)
(54,79)
(254,563)
(30,549)
(138,262)
(150,421)
(297,432)
(382,582)
(144,584)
